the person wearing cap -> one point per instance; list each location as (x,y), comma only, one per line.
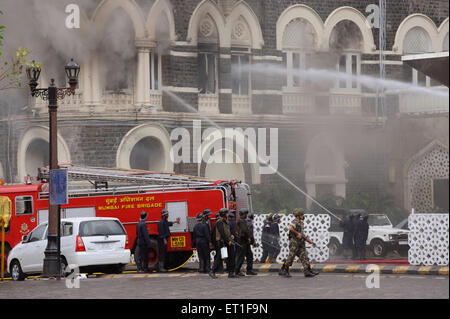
(202,239)
(244,240)
(297,239)
(223,238)
(163,239)
(249,257)
(143,242)
(275,248)
(217,257)
(361,234)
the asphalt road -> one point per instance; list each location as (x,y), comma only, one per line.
(189,285)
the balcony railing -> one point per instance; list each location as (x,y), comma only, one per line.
(342,102)
(412,102)
(241,104)
(208,103)
(298,103)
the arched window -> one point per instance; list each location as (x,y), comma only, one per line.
(347,40)
(298,43)
(208,47)
(118,53)
(417,40)
(241,44)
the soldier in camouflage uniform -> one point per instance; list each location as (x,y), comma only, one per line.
(297,247)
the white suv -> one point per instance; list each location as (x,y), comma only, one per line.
(382,238)
(89,243)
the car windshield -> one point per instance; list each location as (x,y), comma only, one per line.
(101,228)
(379,220)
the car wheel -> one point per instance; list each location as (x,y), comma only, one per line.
(334,247)
(16,271)
(378,248)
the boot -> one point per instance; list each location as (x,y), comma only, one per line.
(232,275)
(212,275)
(309,273)
(315,272)
(284,271)
(250,272)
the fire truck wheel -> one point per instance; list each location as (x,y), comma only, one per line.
(153,254)
(16,271)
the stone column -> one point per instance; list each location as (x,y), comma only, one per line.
(143,77)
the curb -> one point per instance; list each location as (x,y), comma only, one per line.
(349,268)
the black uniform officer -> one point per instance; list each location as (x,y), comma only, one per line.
(249,256)
(275,247)
(217,257)
(266,237)
(202,239)
(163,239)
(223,238)
(143,242)
(361,234)
(243,238)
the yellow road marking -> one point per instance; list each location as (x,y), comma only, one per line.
(329,268)
(443,271)
(400,270)
(352,268)
(264,267)
(424,270)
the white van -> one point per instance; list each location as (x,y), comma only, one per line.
(91,243)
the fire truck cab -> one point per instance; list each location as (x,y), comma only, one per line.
(124,194)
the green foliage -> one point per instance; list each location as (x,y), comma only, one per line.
(11,72)
(280,199)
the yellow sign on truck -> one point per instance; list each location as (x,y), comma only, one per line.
(5,215)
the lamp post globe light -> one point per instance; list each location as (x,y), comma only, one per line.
(52,94)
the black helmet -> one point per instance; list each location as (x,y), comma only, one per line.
(199,216)
(232,213)
(206,212)
(217,215)
(164,212)
(223,212)
(251,216)
(243,212)
(144,215)
(276,217)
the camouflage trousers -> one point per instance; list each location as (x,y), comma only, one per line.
(299,250)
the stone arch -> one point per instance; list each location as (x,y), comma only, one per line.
(416,20)
(207,7)
(27,158)
(243,12)
(150,137)
(418,173)
(295,12)
(160,7)
(324,165)
(225,171)
(353,15)
(443,35)
(248,147)
(106,7)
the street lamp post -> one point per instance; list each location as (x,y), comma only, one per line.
(52,94)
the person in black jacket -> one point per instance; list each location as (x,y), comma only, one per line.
(143,242)
(347,240)
(163,239)
(361,234)
(202,239)
(275,248)
(356,217)
(223,238)
(244,240)
(249,256)
(266,237)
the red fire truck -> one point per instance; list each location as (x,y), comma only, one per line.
(124,194)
